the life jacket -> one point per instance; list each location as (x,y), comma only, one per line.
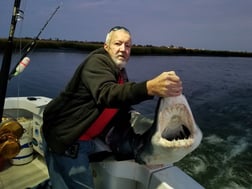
(104,118)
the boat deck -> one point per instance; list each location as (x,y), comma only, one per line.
(23,176)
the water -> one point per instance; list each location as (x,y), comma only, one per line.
(219,91)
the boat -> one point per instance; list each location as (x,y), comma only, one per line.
(28,168)
(28,171)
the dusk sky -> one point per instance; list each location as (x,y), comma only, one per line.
(202,24)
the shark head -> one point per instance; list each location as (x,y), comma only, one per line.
(176,133)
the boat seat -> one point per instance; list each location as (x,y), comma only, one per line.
(102,153)
(100,156)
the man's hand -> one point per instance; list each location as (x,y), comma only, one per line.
(164,85)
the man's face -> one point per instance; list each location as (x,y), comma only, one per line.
(119,47)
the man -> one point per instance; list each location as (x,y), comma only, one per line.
(97,96)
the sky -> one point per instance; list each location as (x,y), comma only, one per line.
(197,24)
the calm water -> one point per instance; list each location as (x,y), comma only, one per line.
(219,91)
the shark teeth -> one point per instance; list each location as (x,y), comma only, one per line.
(175,125)
(175,143)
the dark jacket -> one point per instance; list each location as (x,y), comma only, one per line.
(92,88)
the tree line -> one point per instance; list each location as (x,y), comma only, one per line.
(136,49)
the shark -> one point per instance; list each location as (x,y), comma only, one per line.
(175,132)
(166,139)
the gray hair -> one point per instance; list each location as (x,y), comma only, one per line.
(116,28)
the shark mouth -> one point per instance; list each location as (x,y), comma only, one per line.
(176,132)
(175,125)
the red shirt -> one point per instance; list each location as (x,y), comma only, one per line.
(101,122)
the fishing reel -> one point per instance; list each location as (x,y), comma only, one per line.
(10,133)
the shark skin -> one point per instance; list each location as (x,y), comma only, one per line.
(176,133)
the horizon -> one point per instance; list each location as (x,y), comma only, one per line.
(137,45)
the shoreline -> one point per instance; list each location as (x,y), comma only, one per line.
(137,50)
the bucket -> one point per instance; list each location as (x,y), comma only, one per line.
(26,152)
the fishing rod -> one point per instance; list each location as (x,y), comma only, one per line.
(7,56)
(24,61)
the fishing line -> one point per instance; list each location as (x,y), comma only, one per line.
(24,60)
(21,65)
(20,18)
